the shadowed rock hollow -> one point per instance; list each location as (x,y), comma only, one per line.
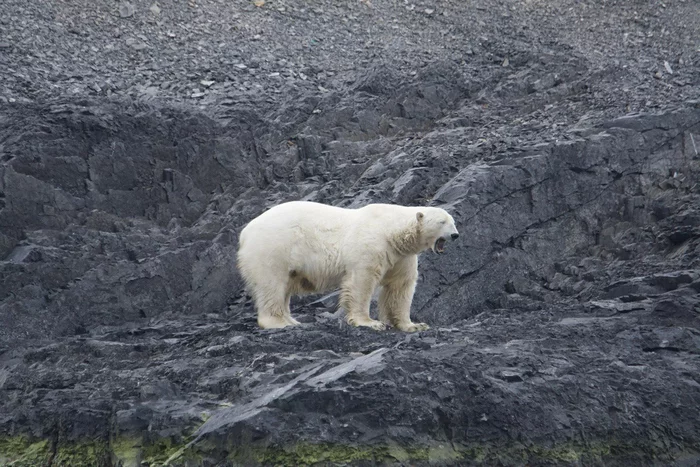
(565,320)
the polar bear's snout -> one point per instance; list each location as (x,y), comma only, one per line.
(441,241)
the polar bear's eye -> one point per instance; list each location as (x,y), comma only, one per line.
(443,222)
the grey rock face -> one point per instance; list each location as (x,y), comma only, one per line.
(120,245)
(565,320)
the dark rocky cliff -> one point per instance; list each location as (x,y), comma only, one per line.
(565,320)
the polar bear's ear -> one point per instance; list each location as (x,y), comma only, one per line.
(419,216)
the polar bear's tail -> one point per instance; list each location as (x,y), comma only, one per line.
(240,261)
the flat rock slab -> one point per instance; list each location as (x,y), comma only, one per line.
(485,390)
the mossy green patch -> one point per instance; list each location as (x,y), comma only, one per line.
(445,453)
(594,451)
(21,451)
(132,451)
(310,454)
(127,451)
(87,452)
(160,451)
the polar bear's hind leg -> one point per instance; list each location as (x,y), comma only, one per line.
(271,297)
(272,306)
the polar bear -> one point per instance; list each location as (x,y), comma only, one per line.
(303,247)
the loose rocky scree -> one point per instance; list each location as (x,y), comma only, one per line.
(138,138)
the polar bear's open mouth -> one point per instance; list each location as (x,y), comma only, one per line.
(439,246)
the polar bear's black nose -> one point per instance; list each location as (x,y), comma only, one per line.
(454,236)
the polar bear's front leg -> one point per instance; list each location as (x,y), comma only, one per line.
(355,297)
(396,296)
(395,307)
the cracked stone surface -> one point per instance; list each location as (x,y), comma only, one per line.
(138,138)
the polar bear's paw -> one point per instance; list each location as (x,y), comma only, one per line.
(276,322)
(367,322)
(291,321)
(414,327)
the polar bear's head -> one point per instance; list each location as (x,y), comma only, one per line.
(436,227)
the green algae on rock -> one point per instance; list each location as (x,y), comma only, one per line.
(133,452)
(22,451)
(88,452)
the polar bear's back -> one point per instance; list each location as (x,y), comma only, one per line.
(304,217)
(305,209)
(323,226)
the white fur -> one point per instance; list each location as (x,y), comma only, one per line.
(301,247)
